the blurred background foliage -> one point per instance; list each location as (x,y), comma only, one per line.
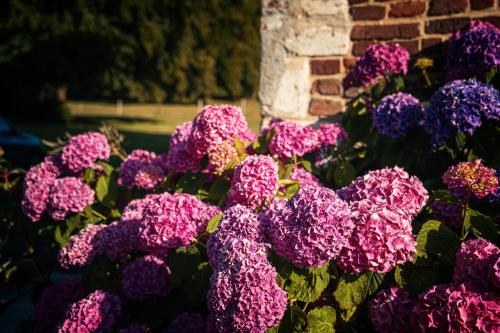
(151,51)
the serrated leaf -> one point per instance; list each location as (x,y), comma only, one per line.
(353,290)
(436,238)
(307,284)
(416,279)
(294,320)
(482,225)
(321,320)
(102,188)
(213,223)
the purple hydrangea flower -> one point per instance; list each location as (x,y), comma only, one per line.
(430,312)
(120,238)
(179,159)
(330,135)
(304,177)
(52,305)
(378,60)
(35,199)
(448,213)
(82,248)
(494,274)
(187,323)
(98,312)
(291,139)
(390,311)
(470,178)
(132,164)
(459,106)
(397,113)
(312,228)
(82,151)
(146,277)
(254,182)
(69,195)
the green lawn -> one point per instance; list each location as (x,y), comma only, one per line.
(145,126)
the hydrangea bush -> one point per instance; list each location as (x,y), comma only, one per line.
(387,222)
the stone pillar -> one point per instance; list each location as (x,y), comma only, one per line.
(292,31)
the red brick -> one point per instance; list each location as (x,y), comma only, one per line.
(358,48)
(325,67)
(327,87)
(443,7)
(355,2)
(407,9)
(349,63)
(368,12)
(411,46)
(445,26)
(385,32)
(324,107)
(481,4)
(430,42)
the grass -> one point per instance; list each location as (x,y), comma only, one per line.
(146,126)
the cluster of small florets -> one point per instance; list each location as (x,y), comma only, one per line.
(178,158)
(291,139)
(82,247)
(187,323)
(460,106)
(69,195)
(142,169)
(448,213)
(174,220)
(397,113)
(493,199)
(304,177)
(220,155)
(146,277)
(470,178)
(330,135)
(82,151)
(378,60)
(383,204)
(473,50)
(120,238)
(312,228)
(254,182)
(213,125)
(98,312)
(390,311)
(52,305)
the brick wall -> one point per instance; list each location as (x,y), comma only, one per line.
(419,26)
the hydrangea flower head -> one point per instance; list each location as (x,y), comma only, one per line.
(98,312)
(396,114)
(187,323)
(430,312)
(254,182)
(132,164)
(146,277)
(120,238)
(69,195)
(83,247)
(213,125)
(330,134)
(459,106)
(448,213)
(179,159)
(35,200)
(149,177)
(390,311)
(312,228)
(82,151)
(52,305)
(44,172)
(378,60)
(220,155)
(304,177)
(468,178)
(291,139)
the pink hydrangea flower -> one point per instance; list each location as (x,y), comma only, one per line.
(187,323)
(330,135)
(269,213)
(69,195)
(146,277)
(430,312)
(494,273)
(291,139)
(174,220)
(52,305)
(474,260)
(213,125)
(304,177)
(381,239)
(468,178)
(132,164)
(119,239)
(220,155)
(135,209)
(254,182)
(149,177)
(312,228)
(82,151)
(98,312)
(44,172)
(390,187)
(390,311)
(35,199)
(179,159)
(82,248)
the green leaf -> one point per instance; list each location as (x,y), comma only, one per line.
(307,165)
(444,196)
(436,238)
(482,225)
(102,188)
(344,173)
(415,278)
(461,140)
(294,320)
(89,175)
(321,320)
(107,168)
(353,290)
(218,189)
(189,183)
(307,284)
(213,223)
(183,263)
(240,147)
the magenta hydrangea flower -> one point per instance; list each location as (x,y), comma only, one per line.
(304,177)
(69,195)
(291,139)
(146,277)
(213,125)
(174,220)
(430,312)
(98,312)
(179,159)
(149,177)
(82,151)
(120,238)
(270,212)
(220,155)
(136,328)
(44,172)
(468,178)
(254,182)
(381,239)
(391,187)
(35,199)
(134,211)
(378,60)
(131,166)
(330,135)
(82,248)
(52,305)
(390,311)
(494,273)
(474,259)
(187,323)
(312,228)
